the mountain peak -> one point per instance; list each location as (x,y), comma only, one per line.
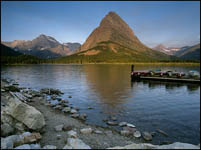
(112,28)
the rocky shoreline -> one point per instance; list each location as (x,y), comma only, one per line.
(33,119)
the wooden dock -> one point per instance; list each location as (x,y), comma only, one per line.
(166,79)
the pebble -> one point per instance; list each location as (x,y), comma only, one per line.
(124,132)
(112,123)
(72,134)
(130,125)
(49,147)
(98,132)
(69,96)
(137,134)
(121,124)
(86,131)
(66,109)
(90,108)
(59,127)
(113,118)
(58,136)
(147,136)
(75,115)
(73,111)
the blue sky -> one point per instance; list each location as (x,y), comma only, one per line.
(170,23)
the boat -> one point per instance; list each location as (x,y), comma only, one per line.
(166,75)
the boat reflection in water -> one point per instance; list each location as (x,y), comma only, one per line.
(168,85)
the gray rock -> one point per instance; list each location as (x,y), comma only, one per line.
(49,147)
(86,131)
(25,146)
(6,129)
(147,136)
(58,136)
(72,134)
(75,115)
(73,111)
(135,146)
(178,145)
(130,125)
(82,116)
(98,132)
(35,146)
(54,102)
(125,132)
(26,114)
(112,123)
(90,108)
(137,134)
(27,95)
(66,109)
(59,127)
(121,124)
(76,144)
(130,129)
(67,147)
(113,118)
(153,134)
(20,127)
(11,88)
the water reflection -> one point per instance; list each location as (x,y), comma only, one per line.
(170,86)
(110,83)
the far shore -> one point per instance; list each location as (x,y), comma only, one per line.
(135,63)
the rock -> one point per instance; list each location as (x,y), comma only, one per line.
(27,95)
(121,124)
(67,127)
(25,146)
(112,123)
(35,146)
(82,116)
(90,108)
(113,118)
(6,129)
(75,115)
(178,145)
(67,147)
(49,147)
(105,120)
(54,97)
(86,131)
(69,96)
(72,134)
(135,146)
(20,127)
(66,109)
(54,102)
(73,111)
(32,138)
(64,101)
(130,129)
(2,90)
(76,144)
(153,134)
(50,91)
(58,107)
(125,132)
(137,134)
(26,114)
(18,96)
(147,136)
(58,136)
(11,88)
(162,132)
(59,127)
(130,125)
(98,132)
(8,142)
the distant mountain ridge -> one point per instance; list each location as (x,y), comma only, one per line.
(166,50)
(43,46)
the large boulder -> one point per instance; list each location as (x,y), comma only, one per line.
(26,114)
(6,129)
(178,145)
(74,143)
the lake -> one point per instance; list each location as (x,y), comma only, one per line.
(171,107)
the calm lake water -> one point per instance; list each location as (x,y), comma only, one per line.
(171,107)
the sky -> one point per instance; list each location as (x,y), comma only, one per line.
(171,23)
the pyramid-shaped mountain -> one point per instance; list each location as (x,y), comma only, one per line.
(114,41)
